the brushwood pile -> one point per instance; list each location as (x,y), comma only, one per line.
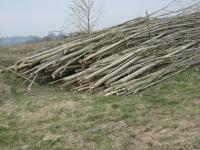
(120,60)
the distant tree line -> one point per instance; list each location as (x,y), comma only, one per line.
(8,41)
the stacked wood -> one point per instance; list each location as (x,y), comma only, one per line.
(120,60)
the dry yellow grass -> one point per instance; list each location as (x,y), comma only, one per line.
(19,51)
(163,117)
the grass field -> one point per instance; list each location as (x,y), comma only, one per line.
(9,54)
(166,116)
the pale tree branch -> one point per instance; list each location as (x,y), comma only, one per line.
(84,14)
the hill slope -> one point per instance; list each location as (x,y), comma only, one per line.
(166,116)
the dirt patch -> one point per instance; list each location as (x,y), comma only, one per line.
(181,136)
(66,105)
(196,101)
(49,111)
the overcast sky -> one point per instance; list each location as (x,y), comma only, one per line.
(38,17)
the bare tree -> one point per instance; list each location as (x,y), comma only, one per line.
(85,14)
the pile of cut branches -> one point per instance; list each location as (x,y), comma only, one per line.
(120,60)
